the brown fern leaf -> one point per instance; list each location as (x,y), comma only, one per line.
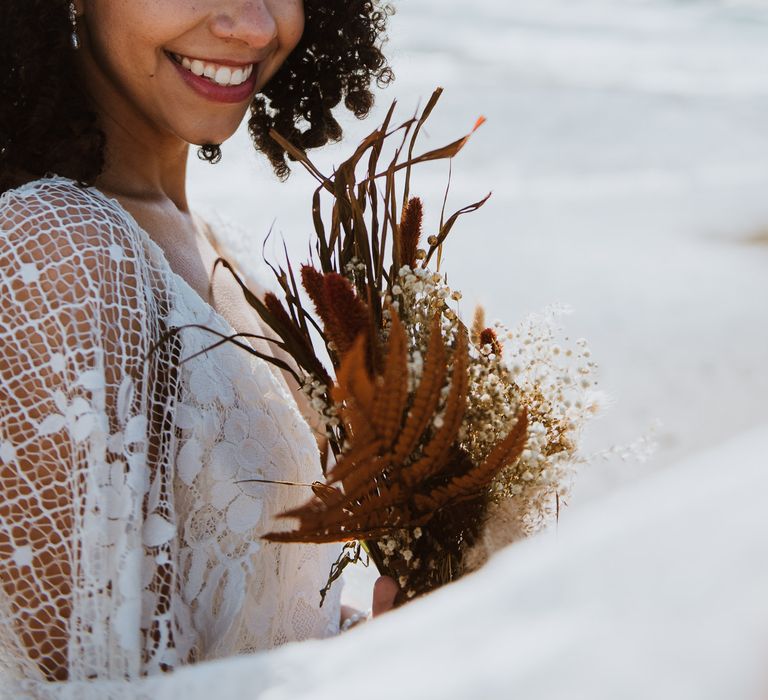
(372,504)
(361,452)
(392,386)
(362,460)
(383,497)
(329,495)
(308,531)
(314,513)
(379,512)
(436,451)
(506,451)
(410,231)
(479,477)
(348,313)
(375,408)
(354,388)
(370,509)
(360,473)
(347,534)
(426,397)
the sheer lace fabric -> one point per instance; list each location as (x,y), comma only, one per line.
(129,532)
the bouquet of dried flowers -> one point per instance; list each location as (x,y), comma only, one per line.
(449,440)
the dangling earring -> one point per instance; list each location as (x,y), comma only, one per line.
(73,20)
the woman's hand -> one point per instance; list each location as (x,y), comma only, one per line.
(384,592)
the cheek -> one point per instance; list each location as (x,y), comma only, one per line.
(116,54)
(129,34)
(290,17)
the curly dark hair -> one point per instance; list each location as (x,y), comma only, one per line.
(48,126)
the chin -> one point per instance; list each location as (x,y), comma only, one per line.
(213,136)
(210,131)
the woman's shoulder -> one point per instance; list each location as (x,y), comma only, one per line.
(62,239)
(55,218)
(58,201)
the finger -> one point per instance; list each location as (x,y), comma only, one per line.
(384,592)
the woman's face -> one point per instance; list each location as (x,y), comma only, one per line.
(186,67)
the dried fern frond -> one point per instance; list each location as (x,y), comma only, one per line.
(384,487)
(426,396)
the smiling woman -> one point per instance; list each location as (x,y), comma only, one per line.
(130,521)
(307,59)
(128,66)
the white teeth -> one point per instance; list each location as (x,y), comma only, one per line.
(221,75)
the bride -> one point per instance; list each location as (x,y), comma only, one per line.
(129,534)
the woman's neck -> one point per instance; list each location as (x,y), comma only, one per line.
(144,166)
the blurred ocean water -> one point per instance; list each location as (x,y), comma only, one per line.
(627,149)
(609,96)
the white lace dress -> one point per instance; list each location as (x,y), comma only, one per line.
(129,538)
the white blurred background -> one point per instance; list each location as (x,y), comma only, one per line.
(627,150)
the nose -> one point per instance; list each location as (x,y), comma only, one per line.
(249,21)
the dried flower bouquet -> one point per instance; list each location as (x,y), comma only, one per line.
(450,441)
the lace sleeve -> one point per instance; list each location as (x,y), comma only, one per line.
(73,331)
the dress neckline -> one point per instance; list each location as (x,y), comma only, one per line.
(159,253)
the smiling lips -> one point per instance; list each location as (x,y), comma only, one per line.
(218,82)
(221,75)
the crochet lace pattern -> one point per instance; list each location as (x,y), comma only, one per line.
(129,541)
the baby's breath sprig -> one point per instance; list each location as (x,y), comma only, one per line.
(554,380)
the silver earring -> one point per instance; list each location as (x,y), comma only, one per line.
(73,20)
